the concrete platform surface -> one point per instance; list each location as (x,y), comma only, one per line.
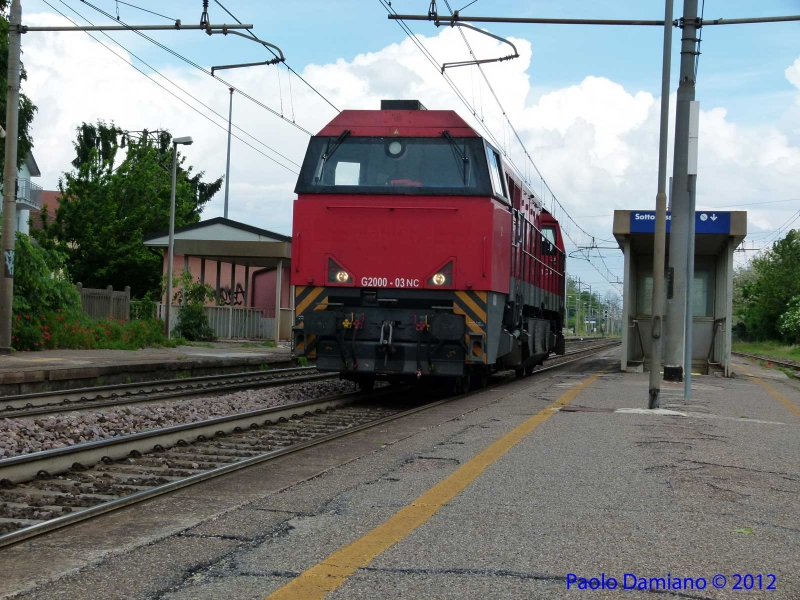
(24,372)
(598,487)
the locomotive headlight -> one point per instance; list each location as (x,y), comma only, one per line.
(342,277)
(443,277)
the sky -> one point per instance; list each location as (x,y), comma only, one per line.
(584,99)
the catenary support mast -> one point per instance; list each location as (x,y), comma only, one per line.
(10,178)
(659,242)
(679,226)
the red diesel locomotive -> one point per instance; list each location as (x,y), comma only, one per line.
(418,252)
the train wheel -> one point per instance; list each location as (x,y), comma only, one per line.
(366,385)
(529,370)
(459,385)
(479,378)
(519,373)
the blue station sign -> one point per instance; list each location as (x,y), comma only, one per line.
(644,221)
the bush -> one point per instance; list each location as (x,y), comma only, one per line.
(59,330)
(789,322)
(192,321)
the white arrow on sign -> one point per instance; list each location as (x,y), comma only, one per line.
(714,217)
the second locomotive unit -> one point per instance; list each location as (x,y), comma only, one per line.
(418,253)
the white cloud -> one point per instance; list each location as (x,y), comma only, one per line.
(793,73)
(595,141)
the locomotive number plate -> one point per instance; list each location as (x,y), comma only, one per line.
(397,282)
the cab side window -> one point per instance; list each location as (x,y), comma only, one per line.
(498,183)
(548,241)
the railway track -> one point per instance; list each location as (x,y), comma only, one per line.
(768,359)
(92,398)
(44,491)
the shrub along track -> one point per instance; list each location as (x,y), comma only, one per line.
(44,491)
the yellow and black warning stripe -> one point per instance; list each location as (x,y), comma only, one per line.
(473,306)
(307,297)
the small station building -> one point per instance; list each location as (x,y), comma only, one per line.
(248,267)
(718,234)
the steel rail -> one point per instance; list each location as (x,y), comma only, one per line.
(122,390)
(178,394)
(87,398)
(81,515)
(768,359)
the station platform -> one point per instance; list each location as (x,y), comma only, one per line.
(502,494)
(29,372)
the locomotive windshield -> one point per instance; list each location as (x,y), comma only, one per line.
(394,165)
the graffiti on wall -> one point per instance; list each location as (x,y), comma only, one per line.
(226,297)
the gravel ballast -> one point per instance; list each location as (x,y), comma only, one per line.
(34,434)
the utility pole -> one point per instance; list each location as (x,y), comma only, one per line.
(15,31)
(228,164)
(10,178)
(659,240)
(679,226)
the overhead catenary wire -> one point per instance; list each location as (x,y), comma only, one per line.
(556,206)
(178,87)
(143,10)
(200,68)
(507,121)
(296,74)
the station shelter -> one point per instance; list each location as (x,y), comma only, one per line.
(717,235)
(248,268)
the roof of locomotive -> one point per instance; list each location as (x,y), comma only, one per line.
(404,123)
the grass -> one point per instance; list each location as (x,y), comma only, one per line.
(774,350)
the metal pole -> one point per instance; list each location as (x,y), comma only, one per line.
(278,294)
(687,352)
(171,248)
(659,241)
(228,164)
(457,18)
(177,27)
(679,227)
(10,179)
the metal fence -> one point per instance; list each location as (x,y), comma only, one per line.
(230,323)
(105,304)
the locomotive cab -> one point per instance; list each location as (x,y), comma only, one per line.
(416,253)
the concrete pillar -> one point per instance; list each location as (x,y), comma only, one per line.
(246,286)
(233,282)
(726,348)
(185,270)
(219,275)
(278,278)
(626,305)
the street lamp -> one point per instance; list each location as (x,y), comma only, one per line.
(181,141)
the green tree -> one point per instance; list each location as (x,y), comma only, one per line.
(26,107)
(107,207)
(775,282)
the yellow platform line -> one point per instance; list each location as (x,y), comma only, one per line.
(776,394)
(331,573)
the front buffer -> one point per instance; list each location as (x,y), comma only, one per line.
(391,334)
